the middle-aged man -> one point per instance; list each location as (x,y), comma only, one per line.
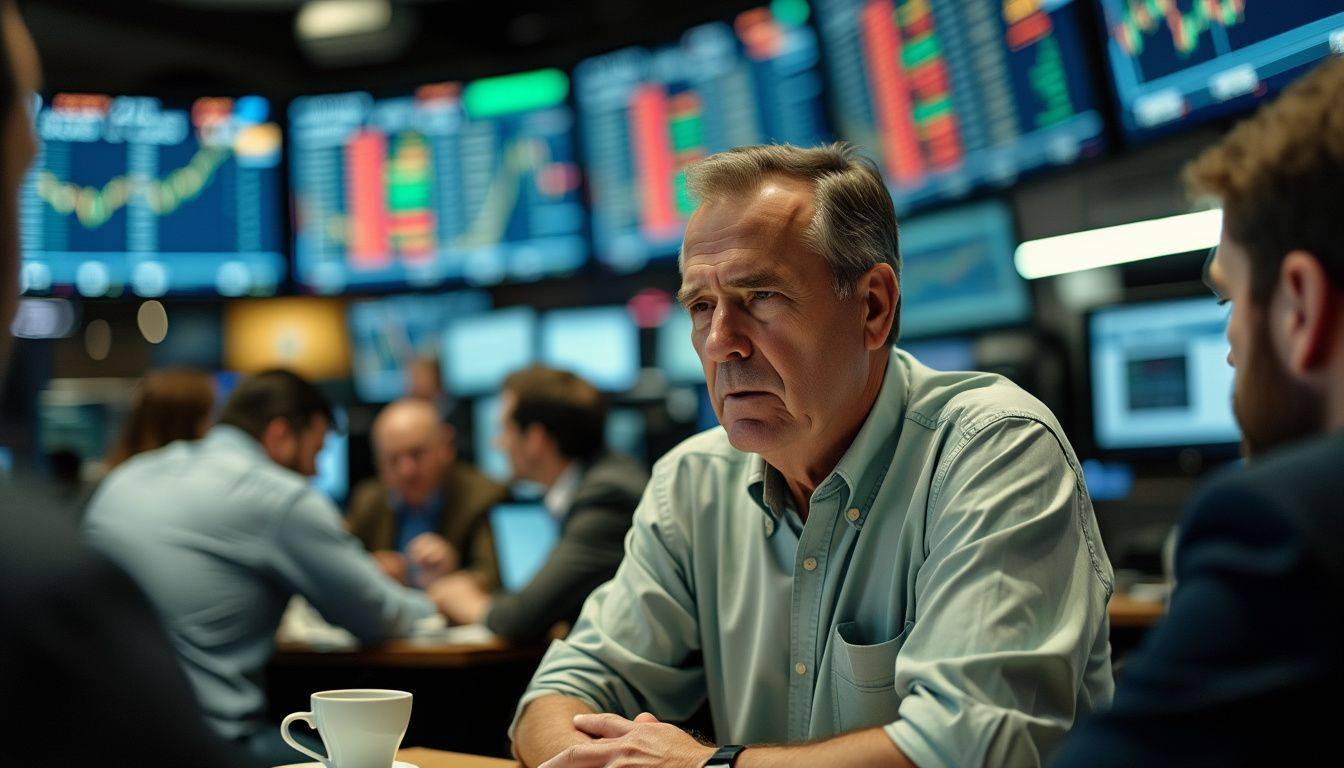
(426,514)
(87,675)
(1248,667)
(896,566)
(223,531)
(552,428)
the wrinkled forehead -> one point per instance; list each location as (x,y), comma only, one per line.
(770,219)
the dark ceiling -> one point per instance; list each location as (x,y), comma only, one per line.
(190,47)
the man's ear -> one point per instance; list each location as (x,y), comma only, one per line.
(1307,309)
(277,439)
(880,291)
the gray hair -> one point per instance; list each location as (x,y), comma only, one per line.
(854,222)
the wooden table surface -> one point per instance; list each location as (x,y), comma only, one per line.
(408,653)
(433,758)
(1127,612)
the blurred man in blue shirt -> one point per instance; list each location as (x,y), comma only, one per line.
(223,531)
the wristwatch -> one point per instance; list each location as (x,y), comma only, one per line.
(725,757)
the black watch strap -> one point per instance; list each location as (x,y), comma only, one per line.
(725,757)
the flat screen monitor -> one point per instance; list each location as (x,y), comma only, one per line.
(1178,62)
(676,356)
(484,426)
(524,535)
(1160,377)
(951,95)
(153,197)
(474,182)
(957,272)
(626,428)
(600,344)
(479,351)
(387,334)
(646,113)
(333,461)
(944,354)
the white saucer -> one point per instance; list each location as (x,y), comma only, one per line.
(397,764)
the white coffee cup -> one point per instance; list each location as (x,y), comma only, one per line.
(361,728)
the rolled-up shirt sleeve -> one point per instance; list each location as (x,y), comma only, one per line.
(1012,604)
(633,647)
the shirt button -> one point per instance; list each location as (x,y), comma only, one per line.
(769,527)
(853,515)
(810,564)
(800,668)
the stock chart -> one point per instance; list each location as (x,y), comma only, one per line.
(951,95)
(647,114)
(1178,61)
(957,272)
(140,194)
(474,183)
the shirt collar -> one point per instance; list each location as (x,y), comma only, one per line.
(861,469)
(560,495)
(234,438)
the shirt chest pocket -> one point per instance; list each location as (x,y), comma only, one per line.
(863,678)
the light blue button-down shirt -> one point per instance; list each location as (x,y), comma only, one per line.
(949,585)
(220,537)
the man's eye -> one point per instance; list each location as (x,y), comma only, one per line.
(698,307)
(763,295)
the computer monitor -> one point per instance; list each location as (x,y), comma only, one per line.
(951,96)
(484,428)
(956,354)
(333,461)
(1160,378)
(474,182)
(648,113)
(387,334)
(601,344)
(626,428)
(480,351)
(524,535)
(676,356)
(305,334)
(154,197)
(957,272)
(1177,63)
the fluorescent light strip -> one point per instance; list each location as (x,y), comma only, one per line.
(1126,243)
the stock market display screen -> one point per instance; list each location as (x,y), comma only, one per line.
(957,272)
(474,183)
(388,333)
(647,114)
(140,194)
(1175,62)
(951,95)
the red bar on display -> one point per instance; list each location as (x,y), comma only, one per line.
(368,224)
(891,93)
(654,161)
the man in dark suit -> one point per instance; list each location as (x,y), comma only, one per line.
(427,514)
(87,676)
(552,429)
(1248,666)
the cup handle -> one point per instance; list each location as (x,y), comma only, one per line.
(306,717)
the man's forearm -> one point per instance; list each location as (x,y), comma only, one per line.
(861,749)
(546,729)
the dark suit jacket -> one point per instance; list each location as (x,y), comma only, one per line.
(1248,666)
(87,676)
(592,542)
(464,521)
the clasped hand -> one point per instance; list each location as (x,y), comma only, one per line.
(644,742)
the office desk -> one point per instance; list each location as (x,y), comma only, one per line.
(403,654)
(433,758)
(465,695)
(1129,613)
